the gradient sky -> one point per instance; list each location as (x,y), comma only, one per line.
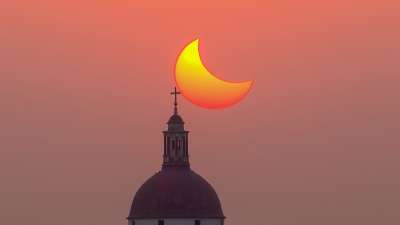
(84,97)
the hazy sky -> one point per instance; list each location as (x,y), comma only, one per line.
(84,97)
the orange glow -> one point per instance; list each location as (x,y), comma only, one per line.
(201,87)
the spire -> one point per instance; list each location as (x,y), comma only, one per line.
(175,140)
(175,93)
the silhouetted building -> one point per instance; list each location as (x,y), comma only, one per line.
(176,195)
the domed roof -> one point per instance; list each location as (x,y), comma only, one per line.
(175,119)
(176,193)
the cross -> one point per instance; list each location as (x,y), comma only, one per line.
(175,93)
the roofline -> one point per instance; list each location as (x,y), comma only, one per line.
(175,132)
(187,217)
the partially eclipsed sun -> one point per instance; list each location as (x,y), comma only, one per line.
(201,87)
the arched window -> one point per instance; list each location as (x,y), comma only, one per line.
(184,146)
(178,143)
(168,142)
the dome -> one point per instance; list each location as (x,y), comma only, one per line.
(175,123)
(176,193)
(175,119)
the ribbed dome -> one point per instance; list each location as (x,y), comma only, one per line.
(176,193)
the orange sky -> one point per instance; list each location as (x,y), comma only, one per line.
(84,96)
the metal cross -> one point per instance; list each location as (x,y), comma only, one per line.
(175,93)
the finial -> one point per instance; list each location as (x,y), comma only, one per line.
(175,93)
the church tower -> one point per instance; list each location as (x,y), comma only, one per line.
(176,195)
(176,140)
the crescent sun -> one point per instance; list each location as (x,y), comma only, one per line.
(201,87)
